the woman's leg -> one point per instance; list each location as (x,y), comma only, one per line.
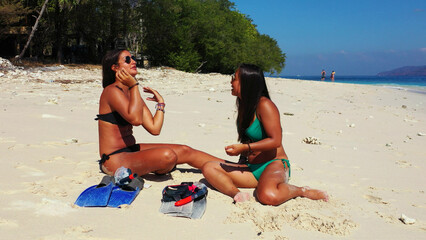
(158,157)
(273,188)
(185,154)
(159,160)
(227,177)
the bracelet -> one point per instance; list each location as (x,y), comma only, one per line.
(160,107)
(133,85)
(248,144)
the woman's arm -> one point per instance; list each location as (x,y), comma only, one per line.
(153,124)
(136,112)
(269,116)
(130,108)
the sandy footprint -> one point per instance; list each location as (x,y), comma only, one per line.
(374,199)
(18,146)
(419,206)
(382,209)
(52,143)
(8,223)
(295,167)
(47,207)
(55,190)
(85,178)
(277,237)
(52,160)
(11,192)
(50,116)
(78,229)
(58,186)
(76,232)
(68,141)
(403,163)
(386,217)
(6,140)
(30,171)
(330,218)
(327,161)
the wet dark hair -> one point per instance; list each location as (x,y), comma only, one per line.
(252,87)
(110,58)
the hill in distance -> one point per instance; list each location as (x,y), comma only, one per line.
(405,71)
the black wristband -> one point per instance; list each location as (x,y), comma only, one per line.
(133,85)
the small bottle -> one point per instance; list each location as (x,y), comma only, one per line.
(123,176)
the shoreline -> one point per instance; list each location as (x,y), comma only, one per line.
(412,88)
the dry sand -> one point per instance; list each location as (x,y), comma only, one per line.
(365,145)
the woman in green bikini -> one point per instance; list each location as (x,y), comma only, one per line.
(263,165)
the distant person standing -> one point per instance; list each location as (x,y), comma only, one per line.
(323,75)
(332,76)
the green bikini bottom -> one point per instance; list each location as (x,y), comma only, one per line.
(257,169)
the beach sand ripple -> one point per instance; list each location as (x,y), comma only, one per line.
(299,213)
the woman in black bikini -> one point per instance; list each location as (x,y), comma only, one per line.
(120,108)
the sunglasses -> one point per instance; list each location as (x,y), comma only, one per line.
(129,59)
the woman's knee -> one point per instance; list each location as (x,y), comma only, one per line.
(268,197)
(184,150)
(109,167)
(209,168)
(108,170)
(168,157)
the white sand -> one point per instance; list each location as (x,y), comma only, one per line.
(371,159)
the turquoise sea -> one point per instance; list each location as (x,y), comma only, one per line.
(412,83)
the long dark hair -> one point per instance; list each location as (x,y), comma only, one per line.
(252,87)
(110,58)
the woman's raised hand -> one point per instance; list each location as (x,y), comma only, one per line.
(156,96)
(124,77)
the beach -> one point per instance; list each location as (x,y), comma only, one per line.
(363,144)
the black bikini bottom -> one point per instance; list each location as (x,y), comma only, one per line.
(133,148)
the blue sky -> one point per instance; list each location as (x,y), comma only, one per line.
(361,37)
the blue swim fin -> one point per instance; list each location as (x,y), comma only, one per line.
(97,195)
(125,194)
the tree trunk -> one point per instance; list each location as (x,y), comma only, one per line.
(33,30)
(58,33)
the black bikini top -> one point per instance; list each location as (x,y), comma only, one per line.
(114,118)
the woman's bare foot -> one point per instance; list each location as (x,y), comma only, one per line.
(241,197)
(314,194)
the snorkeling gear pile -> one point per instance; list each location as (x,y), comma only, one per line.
(109,193)
(187,199)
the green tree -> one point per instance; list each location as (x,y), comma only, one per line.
(61,23)
(187,34)
(11,13)
(190,35)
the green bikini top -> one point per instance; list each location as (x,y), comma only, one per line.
(255,131)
